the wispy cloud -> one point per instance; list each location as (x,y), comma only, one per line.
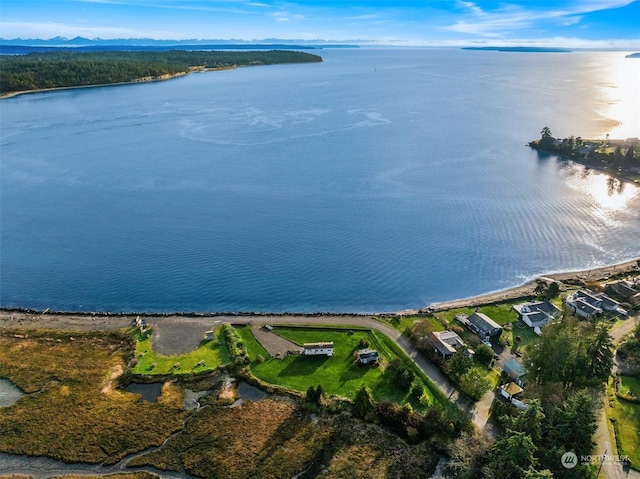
(510,17)
(226,6)
(53,29)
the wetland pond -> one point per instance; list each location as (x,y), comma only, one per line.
(9,393)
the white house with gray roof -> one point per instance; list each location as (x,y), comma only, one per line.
(589,304)
(537,313)
(446,343)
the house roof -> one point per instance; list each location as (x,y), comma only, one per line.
(623,288)
(514,369)
(587,297)
(608,302)
(512,388)
(537,317)
(546,307)
(446,342)
(449,337)
(328,344)
(483,322)
(585,307)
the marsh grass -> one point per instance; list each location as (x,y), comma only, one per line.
(74,410)
(276,438)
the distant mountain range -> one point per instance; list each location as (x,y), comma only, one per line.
(522,49)
(149,42)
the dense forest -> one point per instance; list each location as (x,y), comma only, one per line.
(68,68)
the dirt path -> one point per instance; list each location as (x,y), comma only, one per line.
(276,345)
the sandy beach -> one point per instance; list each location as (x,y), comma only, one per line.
(165,77)
(526,289)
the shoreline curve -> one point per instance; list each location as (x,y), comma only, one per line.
(598,273)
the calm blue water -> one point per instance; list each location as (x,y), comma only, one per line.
(377,180)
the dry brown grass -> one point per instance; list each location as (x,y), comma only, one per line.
(73,411)
(266,439)
(277,439)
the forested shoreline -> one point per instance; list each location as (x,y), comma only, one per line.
(38,71)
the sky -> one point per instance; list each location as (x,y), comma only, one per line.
(561,23)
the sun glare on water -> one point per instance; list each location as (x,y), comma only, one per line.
(622,93)
(608,196)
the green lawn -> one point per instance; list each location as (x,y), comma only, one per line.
(339,374)
(625,416)
(404,324)
(629,385)
(214,353)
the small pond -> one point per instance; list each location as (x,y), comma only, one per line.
(9,393)
(149,392)
(247,392)
(192,398)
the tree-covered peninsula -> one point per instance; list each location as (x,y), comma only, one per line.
(37,71)
(620,158)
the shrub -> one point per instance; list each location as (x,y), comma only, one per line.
(404,378)
(417,390)
(484,354)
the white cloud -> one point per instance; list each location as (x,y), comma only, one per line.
(512,17)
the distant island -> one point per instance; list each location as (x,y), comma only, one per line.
(521,49)
(66,69)
(619,158)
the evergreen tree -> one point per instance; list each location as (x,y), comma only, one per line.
(512,456)
(546,139)
(600,355)
(363,403)
(530,421)
(573,424)
(460,364)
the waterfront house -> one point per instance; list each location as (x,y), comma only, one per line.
(588,304)
(446,343)
(516,371)
(367,356)
(536,314)
(318,349)
(623,288)
(483,325)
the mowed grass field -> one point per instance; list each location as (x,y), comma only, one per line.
(625,416)
(209,356)
(340,374)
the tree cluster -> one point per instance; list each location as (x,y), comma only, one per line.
(629,351)
(620,159)
(571,354)
(67,68)
(411,425)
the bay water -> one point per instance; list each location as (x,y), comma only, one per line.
(377,180)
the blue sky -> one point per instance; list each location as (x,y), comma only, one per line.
(570,23)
